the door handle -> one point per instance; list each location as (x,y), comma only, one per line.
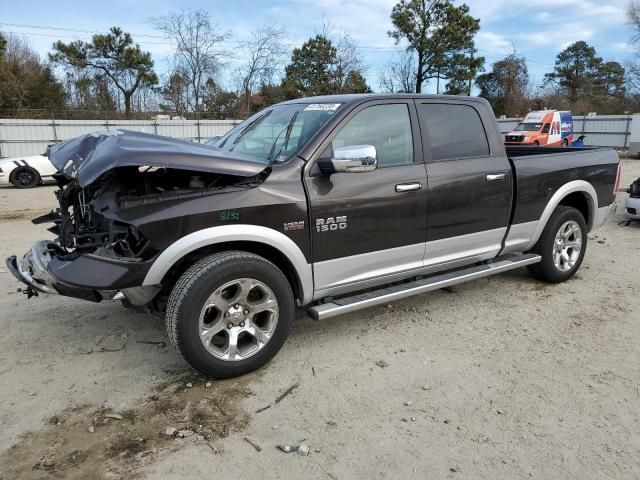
(491,177)
(408,187)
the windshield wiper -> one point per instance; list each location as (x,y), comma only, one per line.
(288,130)
(251,126)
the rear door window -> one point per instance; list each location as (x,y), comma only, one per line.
(454,131)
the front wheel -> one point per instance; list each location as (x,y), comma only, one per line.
(230,313)
(562,246)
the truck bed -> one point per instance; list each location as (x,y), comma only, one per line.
(540,171)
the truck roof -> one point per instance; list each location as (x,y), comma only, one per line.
(356,97)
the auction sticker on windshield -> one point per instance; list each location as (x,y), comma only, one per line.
(323,106)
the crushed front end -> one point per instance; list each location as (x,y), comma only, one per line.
(93,255)
(123,197)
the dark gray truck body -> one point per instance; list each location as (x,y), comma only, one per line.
(138,209)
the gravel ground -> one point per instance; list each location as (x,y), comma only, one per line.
(502,377)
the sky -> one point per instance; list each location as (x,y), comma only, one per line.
(537,29)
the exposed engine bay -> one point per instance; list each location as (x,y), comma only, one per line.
(85,221)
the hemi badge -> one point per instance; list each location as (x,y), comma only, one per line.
(293,226)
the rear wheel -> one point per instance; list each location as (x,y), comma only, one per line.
(565,143)
(536,143)
(230,313)
(25,177)
(562,246)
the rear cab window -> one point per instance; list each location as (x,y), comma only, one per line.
(453,131)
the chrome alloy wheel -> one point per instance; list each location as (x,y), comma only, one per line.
(238,319)
(567,246)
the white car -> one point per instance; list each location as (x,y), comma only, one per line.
(26,172)
(632,204)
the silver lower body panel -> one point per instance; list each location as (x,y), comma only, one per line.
(372,269)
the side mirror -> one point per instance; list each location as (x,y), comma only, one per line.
(350,159)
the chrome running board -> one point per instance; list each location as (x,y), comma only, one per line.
(384,295)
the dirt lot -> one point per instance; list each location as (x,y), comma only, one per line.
(499,378)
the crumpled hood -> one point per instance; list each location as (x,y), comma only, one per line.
(87,157)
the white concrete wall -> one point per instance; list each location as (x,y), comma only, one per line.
(634,138)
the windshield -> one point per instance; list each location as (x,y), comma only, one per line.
(528,127)
(277,133)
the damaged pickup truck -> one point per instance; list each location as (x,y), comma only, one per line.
(331,204)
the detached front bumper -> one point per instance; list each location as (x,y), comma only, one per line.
(88,277)
(31,269)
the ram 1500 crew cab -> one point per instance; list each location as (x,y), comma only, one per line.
(330,204)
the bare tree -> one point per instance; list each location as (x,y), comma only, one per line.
(398,75)
(633,19)
(25,80)
(198,50)
(506,86)
(265,54)
(88,92)
(633,65)
(175,91)
(14,81)
(348,56)
(633,76)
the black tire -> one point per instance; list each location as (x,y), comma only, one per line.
(25,177)
(536,143)
(195,286)
(546,270)
(565,143)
